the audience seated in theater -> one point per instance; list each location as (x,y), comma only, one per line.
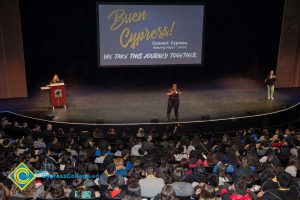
(168,164)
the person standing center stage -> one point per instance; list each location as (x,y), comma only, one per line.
(270,82)
(173,102)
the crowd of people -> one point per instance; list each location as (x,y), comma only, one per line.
(135,164)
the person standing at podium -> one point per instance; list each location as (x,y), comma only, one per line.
(57,92)
(55,79)
(173,102)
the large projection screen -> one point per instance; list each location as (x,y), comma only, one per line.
(149,35)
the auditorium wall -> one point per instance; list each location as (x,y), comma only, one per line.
(288,64)
(12,66)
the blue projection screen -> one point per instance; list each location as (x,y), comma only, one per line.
(138,35)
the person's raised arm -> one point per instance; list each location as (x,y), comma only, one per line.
(169,93)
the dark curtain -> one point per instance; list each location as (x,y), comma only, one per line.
(12,67)
(288,68)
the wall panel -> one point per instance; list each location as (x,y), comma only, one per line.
(12,67)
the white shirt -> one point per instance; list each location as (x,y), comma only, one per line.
(292,170)
(135,150)
(151,186)
(99,160)
(190,148)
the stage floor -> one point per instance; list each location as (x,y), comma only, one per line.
(223,98)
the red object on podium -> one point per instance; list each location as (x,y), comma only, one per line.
(57,95)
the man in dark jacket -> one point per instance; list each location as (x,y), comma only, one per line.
(285,190)
(114,191)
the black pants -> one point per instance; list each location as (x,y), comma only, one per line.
(171,105)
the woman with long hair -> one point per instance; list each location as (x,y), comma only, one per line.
(270,82)
(167,193)
(208,193)
(55,79)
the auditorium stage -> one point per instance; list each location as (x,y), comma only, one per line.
(222,98)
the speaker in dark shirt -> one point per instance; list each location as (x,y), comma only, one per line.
(173,101)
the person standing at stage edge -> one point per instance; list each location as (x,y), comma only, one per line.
(270,82)
(173,102)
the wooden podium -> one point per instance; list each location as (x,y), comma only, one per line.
(57,95)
